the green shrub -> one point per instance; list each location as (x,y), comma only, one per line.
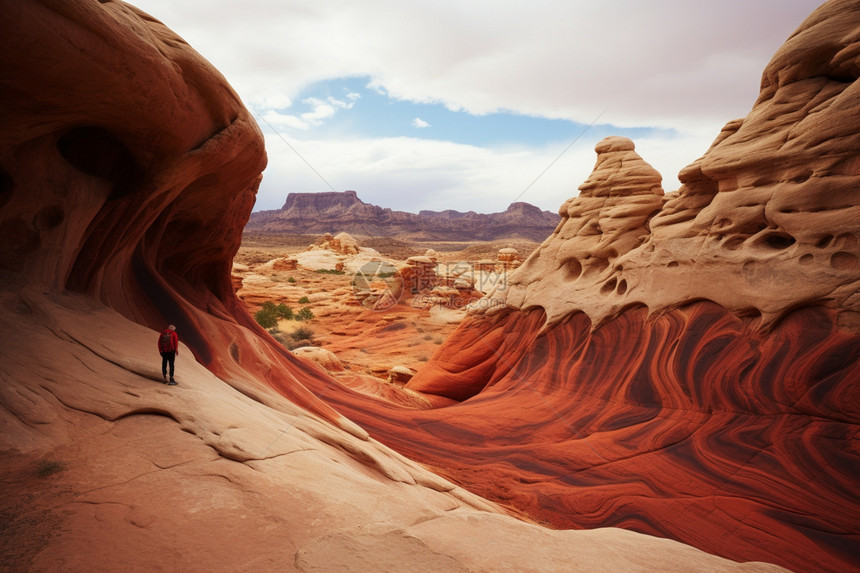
(330,272)
(291,280)
(304,300)
(284,311)
(268,315)
(304,314)
(267,318)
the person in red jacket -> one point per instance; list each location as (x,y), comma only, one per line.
(168,346)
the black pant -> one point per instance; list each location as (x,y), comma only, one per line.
(167,358)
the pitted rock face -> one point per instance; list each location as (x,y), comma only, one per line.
(728,308)
(767,221)
(576,267)
(125,154)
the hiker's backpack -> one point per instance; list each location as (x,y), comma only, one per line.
(165,344)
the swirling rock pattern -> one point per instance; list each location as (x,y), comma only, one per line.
(690,425)
(687,365)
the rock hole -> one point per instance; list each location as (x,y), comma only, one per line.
(806,259)
(622,287)
(843,261)
(608,287)
(734,243)
(751,317)
(95,151)
(802,177)
(672,264)
(573,268)
(823,242)
(50,218)
(234,352)
(779,241)
(6,185)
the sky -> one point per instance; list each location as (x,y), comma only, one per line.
(472,104)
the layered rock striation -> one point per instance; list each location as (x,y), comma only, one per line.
(128,168)
(690,362)
(684,365)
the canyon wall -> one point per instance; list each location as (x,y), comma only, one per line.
(664,360)
(682,364)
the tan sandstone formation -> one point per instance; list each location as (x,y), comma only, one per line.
(688,364)
(342,243)
(766,221)
(128,168)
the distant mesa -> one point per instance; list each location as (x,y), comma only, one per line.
(311,213)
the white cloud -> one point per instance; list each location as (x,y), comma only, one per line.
(661,62)
(411,174)
(687,66)
(419,123)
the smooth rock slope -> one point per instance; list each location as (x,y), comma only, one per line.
(128,168)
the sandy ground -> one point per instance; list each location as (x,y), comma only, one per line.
(366,341)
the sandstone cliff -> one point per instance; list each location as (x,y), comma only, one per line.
(128,168)
(689,364)
(333,212)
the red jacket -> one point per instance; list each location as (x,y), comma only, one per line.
(168,341)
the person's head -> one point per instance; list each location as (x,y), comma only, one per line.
(171,327)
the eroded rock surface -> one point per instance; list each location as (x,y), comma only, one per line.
(122,200)
(693,358)
(128,168)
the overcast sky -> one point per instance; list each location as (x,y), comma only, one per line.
(471,104)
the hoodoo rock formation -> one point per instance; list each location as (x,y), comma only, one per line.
(326,212)
(128,168)
(683,365)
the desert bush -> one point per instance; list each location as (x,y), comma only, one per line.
(266,318)
(304,314)
(268,315)
(284,311)
(304,300)
(330,272)
(291,280)
(302,333)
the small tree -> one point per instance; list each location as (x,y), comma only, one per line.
(304,314)
(284,311)
(267,316)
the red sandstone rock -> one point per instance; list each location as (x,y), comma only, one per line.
(697,373)
(691,422)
